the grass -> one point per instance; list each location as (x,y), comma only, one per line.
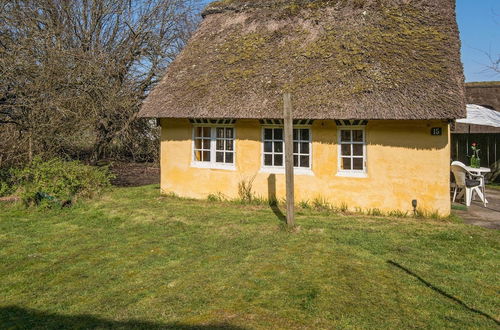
(458,207)
(494,186)
(133,259)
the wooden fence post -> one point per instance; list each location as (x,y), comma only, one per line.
(288,121)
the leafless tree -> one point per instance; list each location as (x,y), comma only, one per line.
(495,65)
(495,59)
(74,73)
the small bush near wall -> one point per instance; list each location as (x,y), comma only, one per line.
(5,183)
(58,182)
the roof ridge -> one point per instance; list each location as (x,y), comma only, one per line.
(222,6)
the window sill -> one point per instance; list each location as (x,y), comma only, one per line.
(280,170)
(211,166)
(352,174)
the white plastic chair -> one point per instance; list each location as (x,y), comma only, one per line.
(467,183)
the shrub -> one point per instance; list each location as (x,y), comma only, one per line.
(305,205)
(59,181)
(321,203)
(217,197)
(344,208)
(398,214)
(6,186)
(245,190)
(375,212)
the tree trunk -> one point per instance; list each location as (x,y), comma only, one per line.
(30,145)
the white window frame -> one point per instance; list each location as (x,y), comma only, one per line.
(351,173)
(212,164)
(281,169)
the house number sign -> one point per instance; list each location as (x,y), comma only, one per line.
(436,131)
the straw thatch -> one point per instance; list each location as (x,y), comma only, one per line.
(486,94)
(340,59)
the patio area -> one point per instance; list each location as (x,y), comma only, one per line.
(478,215)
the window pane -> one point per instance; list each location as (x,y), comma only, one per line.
(220,144)
(357,164)
(229,133)
(206,132)
(346,149)
(346,163)
(268,146)
(295,147)
(278,134)
(268,134)
(223,138)
(229,145)
(229,157)
(278,147)
(304,148)
(357,149)
(357,135)
(345,136)
(278,160)
(220,133)
(295,161)
(295,134)
(197,156)
(304,134)
(198,132)
(268,160)
(304,161)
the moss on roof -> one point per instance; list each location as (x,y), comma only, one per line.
(341,59)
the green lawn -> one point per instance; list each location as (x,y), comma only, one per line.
(134,259)
(494,185)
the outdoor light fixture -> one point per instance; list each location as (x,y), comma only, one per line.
(414,204)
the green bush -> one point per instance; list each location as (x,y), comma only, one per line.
(6,187)
(59,181)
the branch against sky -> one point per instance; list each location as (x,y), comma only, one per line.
(495,60)
(478,22)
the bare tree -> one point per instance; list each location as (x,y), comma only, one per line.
(495,64)
(495,59)
(74,73)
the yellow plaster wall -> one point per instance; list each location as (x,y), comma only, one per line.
(404,162)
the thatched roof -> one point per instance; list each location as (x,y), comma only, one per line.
(486,93)
(340,59)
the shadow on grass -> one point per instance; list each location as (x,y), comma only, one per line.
(443,293)
(14,317)
(271,195)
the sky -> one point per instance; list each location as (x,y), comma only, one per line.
(479,25)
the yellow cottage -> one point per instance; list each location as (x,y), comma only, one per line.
(375,85)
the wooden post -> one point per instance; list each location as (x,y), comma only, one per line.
(288,121)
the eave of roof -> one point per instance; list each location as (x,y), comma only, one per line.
(482,84)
